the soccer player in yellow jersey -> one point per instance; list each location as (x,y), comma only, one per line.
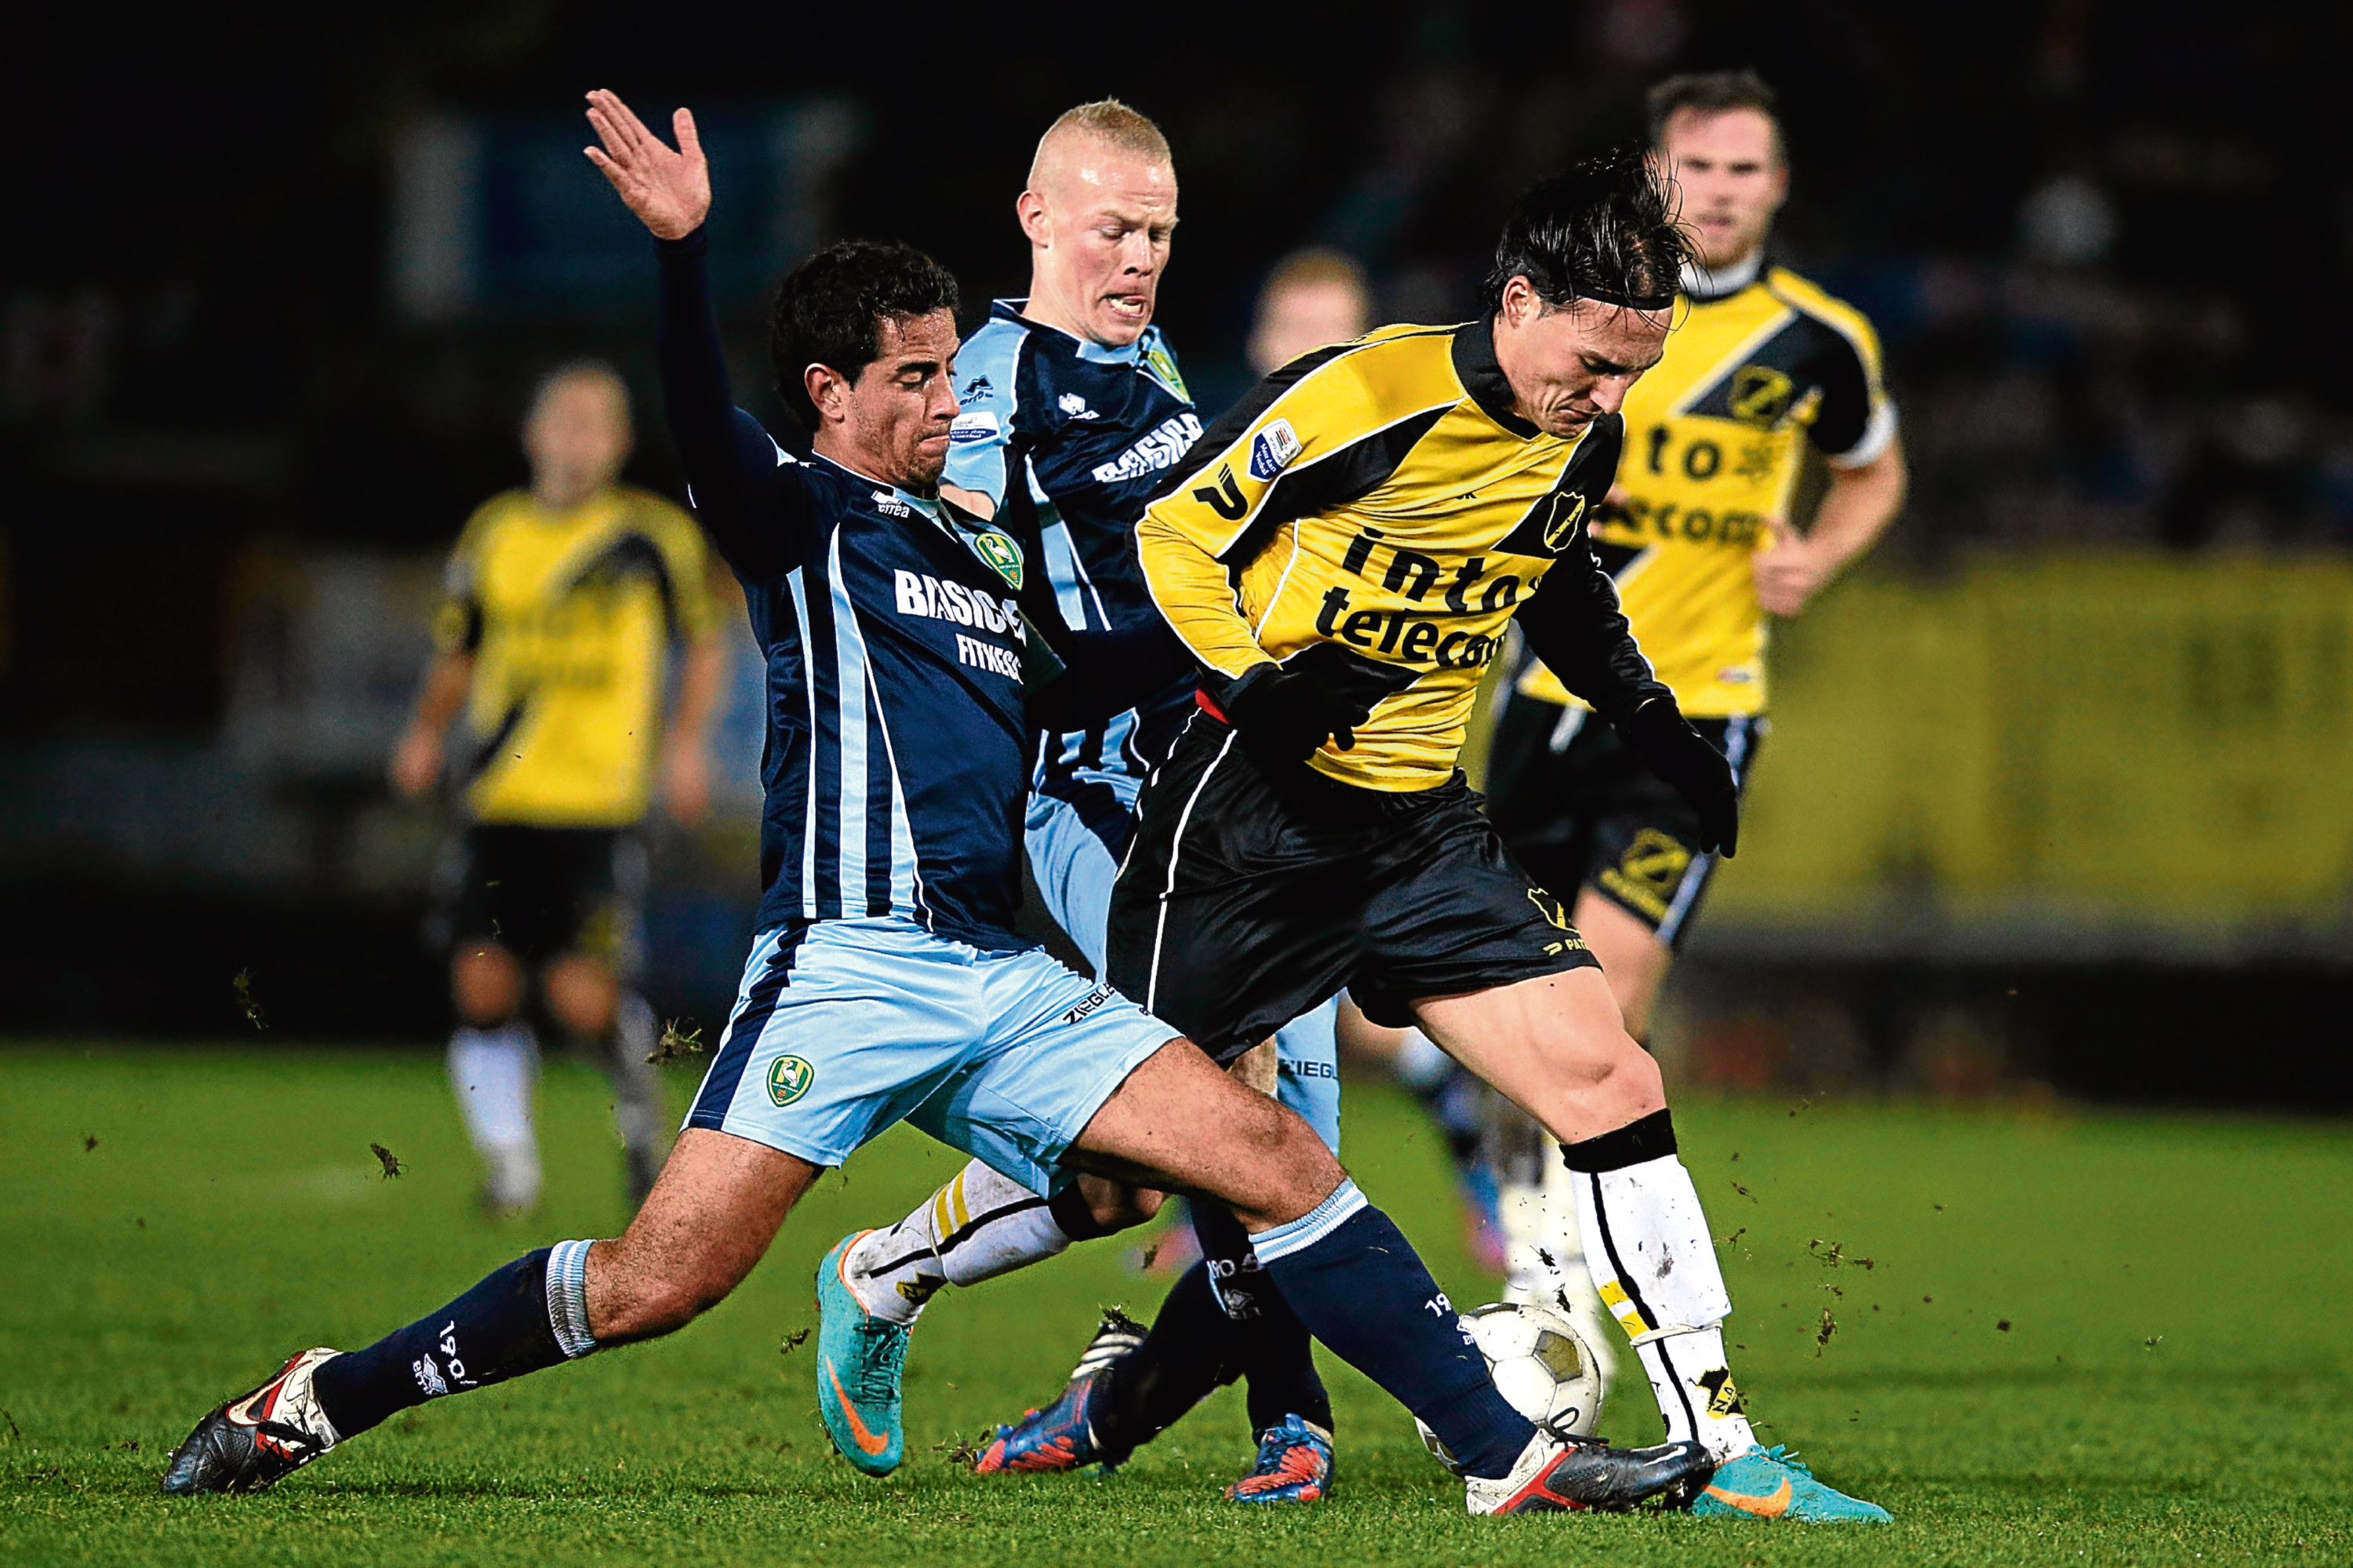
(562,601)
(1761,366)
(1342,553)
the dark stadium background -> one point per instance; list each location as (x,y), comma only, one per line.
(241,412)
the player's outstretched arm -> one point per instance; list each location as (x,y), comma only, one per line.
(745,494)
(669,190)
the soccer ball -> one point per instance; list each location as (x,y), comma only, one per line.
(1539,1365)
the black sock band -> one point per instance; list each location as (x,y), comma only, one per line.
(1636,1143)
(1074,1214)
(497,1330)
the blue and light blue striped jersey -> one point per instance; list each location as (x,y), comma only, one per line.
(897,753)
(1070,439)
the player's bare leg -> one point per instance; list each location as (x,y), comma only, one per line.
(1546,1245)
(494,1071)
(585,994)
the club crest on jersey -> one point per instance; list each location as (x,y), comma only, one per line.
(789,1078)
(1273,450)
(1003,556)
(1163,365)
(1760,393)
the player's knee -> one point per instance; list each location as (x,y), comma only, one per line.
(1117,1208)
(486,984)
(1627,1073)
(645,1303)
(582,994)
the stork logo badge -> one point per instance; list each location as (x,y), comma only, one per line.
(1224,496)
(1003,556)
(789,1078)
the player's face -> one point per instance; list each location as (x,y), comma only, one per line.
(1728,162)
(1100,232)
(1304,316)
(897,413)
(1569,365)
(577,438)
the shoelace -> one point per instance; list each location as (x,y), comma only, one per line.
(879,1372)
(1782,1454)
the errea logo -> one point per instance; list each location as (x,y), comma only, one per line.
(1072,404)
(891,505)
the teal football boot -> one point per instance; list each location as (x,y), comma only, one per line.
(859,1360)
(1770,1483)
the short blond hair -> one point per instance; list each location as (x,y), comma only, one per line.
(1108,121)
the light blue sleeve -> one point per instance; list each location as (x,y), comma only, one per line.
(987,370)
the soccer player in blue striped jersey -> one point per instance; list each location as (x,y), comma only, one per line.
(909,650)
(1072,411)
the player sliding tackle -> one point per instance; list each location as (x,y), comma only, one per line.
(1342,554)
(900,637)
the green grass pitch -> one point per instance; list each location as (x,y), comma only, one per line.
(2078,1338)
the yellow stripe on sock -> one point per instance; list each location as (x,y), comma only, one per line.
(1622,1306)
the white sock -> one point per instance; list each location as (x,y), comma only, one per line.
(1545,1260)
(1695,1391)
(1654,1265)
(978,1226)
(1419,1063)
(493,1072)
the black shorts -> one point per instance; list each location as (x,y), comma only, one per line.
(541,893)
(1245,899)
(1581,809)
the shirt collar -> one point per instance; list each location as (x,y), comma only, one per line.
(928,507)
(1483,378)
(1703,285)
(1088,349)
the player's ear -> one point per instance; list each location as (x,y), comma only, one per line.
(1029,207)
(827,389)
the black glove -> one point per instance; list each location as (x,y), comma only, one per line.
(1284,712)
(1682,756)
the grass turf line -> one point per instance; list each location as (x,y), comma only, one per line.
(267,1226)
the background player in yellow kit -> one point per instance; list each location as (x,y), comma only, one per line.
(1761,364)
(562,601)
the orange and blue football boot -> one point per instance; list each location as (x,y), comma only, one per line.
(1058,1437)
(859,1358)
(1294,1465)
(1769,1483)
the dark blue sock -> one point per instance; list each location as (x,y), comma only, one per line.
(501,1329)
(1269,1346)
(1357,1284)
(1180,1362)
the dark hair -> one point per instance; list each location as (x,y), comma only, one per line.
(1712,92)
(830,309)
(1602,229)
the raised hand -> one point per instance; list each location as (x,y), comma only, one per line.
(669,191)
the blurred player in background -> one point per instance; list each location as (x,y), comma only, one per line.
(563,600)
(1761,364)
(1313,298)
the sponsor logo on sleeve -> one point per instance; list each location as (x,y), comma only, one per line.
(1273,450)
(977,425)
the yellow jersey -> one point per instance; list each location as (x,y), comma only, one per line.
(1713,449)
(1381,496)
(569,615)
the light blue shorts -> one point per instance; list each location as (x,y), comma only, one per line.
(1075,867)
(845,1027)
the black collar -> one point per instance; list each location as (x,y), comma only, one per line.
(1474,364)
